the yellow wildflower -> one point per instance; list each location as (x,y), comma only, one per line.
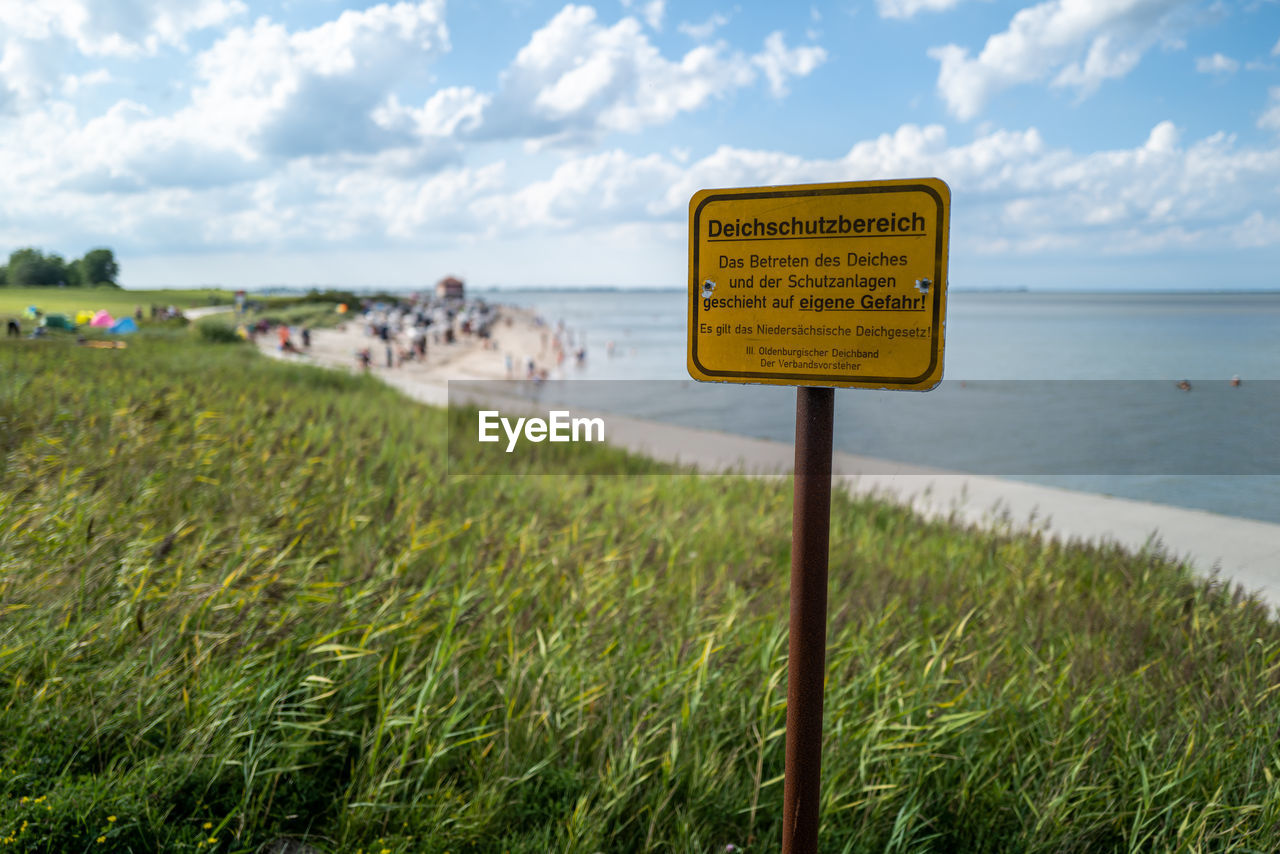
(111,818)
(207,825)
(102,839)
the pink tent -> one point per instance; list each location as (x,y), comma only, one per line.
(102,318)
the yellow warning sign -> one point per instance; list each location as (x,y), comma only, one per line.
(823,285)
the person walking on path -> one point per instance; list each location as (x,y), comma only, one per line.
(286,343)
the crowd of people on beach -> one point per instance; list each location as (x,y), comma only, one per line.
(558,345)
(406,331)
(161,312)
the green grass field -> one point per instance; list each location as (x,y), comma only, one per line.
(242,605)
(14,301)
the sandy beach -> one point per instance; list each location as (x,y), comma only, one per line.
(1241,550)
(466,358)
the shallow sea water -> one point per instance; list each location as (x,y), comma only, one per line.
(1077,390)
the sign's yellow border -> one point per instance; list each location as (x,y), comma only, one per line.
(933,187)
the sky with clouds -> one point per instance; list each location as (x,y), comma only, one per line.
(1087,143)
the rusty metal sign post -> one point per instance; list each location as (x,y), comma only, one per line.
(817,286)
(807,640)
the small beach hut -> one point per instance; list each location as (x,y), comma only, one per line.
(450,287)
(102,319)
(123,326)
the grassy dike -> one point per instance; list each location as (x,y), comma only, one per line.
(117,301)
(241,603)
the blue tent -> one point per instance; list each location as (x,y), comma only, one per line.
(123,326)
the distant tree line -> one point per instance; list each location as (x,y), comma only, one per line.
(30,266)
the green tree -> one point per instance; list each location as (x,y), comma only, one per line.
(24,266)
(28,266)
(98,267)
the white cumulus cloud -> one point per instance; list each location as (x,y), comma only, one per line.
(1019,195)
(295,138)
(704,30)
(582,192)
(653,12)
(1270,118)
(266,89)
(1016,193)
(577,78)
(1075,43)
(1217,64)
(781,63)
(263,96)
(904,9)
(449,112)
(115,27)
